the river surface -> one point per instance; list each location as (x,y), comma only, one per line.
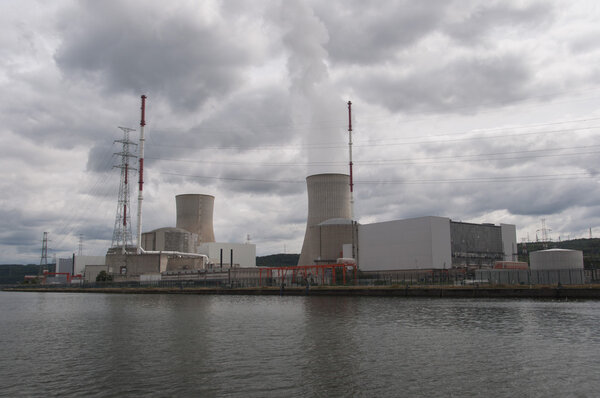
(113,345)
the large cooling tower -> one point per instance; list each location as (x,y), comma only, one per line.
(195,214)
(328,197)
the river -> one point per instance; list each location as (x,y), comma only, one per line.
(115,345)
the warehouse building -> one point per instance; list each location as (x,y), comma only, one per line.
(434,243)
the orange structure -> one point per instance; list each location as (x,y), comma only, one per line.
(68,274)
(510,265)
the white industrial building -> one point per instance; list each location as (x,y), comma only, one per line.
(229,255)
(77,264)
(418,243)
(433,243)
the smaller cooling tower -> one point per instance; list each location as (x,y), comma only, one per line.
(195,214)
(328,198)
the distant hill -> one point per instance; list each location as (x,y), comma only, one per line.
(277,260)
(589,247)
(15,273)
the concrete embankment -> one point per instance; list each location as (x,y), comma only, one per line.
(541,292)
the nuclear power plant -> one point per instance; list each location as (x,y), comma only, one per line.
(333,238)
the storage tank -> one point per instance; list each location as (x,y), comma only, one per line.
(554,259)
(328,198)
(195,214)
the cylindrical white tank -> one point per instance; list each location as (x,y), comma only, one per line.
(554,259)
(195,214)
(328,197)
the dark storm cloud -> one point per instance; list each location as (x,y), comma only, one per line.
(463,85)
(372,32)
(140,49)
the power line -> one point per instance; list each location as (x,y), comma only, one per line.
(437,159)
(379,143)
(543,177)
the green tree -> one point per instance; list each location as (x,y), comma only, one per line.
(103,276)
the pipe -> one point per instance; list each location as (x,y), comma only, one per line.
(172,253)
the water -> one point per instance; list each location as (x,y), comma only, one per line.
(99,345)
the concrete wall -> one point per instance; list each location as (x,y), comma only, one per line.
(136,264)
(418,243)
(244,255)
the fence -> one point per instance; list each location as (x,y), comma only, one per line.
(531,277)
(326,277)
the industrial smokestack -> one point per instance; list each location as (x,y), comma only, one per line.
(141,173)
(195,214)
(328,198)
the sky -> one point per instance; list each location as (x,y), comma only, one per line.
(480,111)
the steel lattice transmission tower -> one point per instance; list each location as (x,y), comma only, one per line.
(44,257)
(122,236)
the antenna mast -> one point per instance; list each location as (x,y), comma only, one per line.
(350,157)
(141,180)
(122,231)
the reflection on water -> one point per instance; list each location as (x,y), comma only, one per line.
(168,345)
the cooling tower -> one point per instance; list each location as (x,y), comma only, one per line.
(328,198)
(195,214)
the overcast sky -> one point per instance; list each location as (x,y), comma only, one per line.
(481,111)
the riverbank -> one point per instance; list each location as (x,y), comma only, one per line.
(542,292)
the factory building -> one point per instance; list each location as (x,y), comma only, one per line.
(190,246)
(229,255)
